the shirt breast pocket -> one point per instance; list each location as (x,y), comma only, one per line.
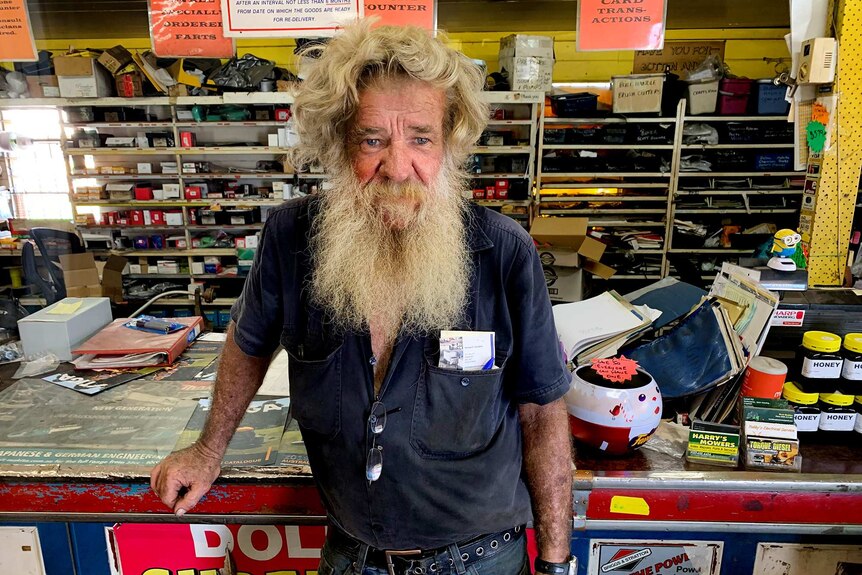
(456,413)
(315,386)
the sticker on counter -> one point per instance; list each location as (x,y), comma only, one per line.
(629,505)
(788,318)
(634,557)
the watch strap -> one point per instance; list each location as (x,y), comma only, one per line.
(550,568)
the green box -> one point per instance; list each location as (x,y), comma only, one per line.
(713,444)
(767,414)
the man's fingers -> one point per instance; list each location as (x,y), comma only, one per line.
(190,498)
(154,478)
(170,490)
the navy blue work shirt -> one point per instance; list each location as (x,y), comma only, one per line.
(452,461)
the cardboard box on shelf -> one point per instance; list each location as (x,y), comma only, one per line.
(43,86)
(527,45)
(145,168)
(197,268)
(112,278)
(63,326)
(171,191)
(135,269)
(528,73)
(80,275)
(114,59)
(81,77)
(173,218)
(566,251)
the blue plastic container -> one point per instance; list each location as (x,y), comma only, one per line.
(770,99)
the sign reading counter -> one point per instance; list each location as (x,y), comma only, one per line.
(288,18)
(16,35)
(188,28)
(621,24)
(422,13)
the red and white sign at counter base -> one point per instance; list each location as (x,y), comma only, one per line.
(788,318)
(288,18)
(167,549)
(188,29)
(620,24)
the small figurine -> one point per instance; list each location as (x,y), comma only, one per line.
(783,248)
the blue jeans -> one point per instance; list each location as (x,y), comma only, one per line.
(511,559)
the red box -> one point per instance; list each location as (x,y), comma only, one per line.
(479,194)
(193,192)
(157,217)
(490,192)
(196,242)
(136,217)
(239,242)
(110,218)
(502,189)
(143,193)
(193,217)
(123,221)
(282,114)
(187,139)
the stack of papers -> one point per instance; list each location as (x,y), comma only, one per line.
(598,327)
(749,305)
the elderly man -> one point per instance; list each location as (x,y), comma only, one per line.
(422,469)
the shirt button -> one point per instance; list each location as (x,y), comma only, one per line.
(465,381)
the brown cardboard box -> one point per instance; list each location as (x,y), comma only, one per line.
(566,252)
(81,77)
(115,59)
(80,275)
(112,278)
(43,86)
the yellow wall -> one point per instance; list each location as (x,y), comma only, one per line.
(745,51)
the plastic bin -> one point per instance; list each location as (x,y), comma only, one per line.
(554,136)
(585,135)
(614,135)
(702,97)
(770,98)
(773,161)
(739,133)
(574,105)
(733,95)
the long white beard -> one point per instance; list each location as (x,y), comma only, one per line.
(388,264)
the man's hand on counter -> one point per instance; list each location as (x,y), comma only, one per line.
(185,476)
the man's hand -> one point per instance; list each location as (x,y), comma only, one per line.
(183,477)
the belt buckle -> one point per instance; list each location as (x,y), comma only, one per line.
(390,566)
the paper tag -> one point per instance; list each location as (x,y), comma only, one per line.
(629,505)
(66,308)
(816,136)
(819,113)
(616,369)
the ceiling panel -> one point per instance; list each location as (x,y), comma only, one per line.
(64,19)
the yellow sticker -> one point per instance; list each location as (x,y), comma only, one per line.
(629,505)
(66,308)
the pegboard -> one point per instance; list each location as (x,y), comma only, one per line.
(842,161)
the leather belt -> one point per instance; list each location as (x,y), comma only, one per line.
(424,562)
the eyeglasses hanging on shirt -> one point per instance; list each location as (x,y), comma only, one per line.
(376,425)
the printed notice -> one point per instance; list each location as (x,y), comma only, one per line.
(621,24)
(16,36)
(188,29)
(420,13)
(288,18)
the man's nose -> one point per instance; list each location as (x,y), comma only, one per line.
(397,165)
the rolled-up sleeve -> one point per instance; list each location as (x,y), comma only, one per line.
(535,370)
(258,314)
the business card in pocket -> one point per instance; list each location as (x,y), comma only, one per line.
(466,350)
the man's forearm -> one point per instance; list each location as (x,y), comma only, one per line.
(548,465)
(239,377)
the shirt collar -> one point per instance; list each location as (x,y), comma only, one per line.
(477,239)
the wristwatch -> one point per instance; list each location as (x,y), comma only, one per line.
(567,567)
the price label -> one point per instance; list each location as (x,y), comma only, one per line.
(816,136)
(616,369)
(819,113)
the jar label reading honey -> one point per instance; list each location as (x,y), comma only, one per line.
(821,368)
(852,370)
(838,421)
(806,421)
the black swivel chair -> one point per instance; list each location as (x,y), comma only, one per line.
(51,243)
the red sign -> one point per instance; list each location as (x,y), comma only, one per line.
(621,24)
(422,13)
(16,36)
(616,369)
(168,549)
(188,29)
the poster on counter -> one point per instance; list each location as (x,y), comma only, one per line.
(16,34)
(621,25)
(680,57)
(188,29)
(636,557)
(255,549)
(422,13)
(288,18)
